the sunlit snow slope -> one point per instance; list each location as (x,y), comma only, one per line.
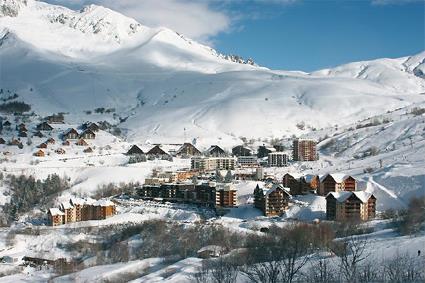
(169,87)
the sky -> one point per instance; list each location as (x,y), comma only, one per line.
(302,35)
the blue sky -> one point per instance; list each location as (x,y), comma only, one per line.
(287,34)
(310,35)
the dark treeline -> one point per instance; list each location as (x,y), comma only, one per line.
(27,193)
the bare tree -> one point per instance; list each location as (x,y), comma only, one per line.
(404,268)
(321,271)
(351,252)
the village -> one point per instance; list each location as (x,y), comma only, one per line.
(247,187)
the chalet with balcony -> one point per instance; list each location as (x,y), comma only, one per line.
(215,151)
(335,183)
(81,142)
(88,135)
(39,153)
(188,150)
(44,127)
(350,206)
(135,150)
(272,200)
(55,217)
(241,150)
(70,134)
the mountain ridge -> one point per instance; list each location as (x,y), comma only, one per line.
(165,87)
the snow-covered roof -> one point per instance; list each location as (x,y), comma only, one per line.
(55,211)
(77,201)
(296,175)
(271,187)
(66,205)
(344,195)
(103,202)
(338,177)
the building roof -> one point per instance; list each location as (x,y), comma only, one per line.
(66,205)
(55,211)
(296,176)
(344,195)
(338,177)
(309,177)
(103,202)
(271,187)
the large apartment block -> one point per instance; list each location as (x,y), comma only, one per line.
(359,206)
(272,200)
(336,183)
(278,159)
(213,163)
(304,150)
(209,194)
(76,210)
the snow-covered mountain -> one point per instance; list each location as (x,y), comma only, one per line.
(166,87)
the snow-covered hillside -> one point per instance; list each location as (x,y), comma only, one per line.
(165,87)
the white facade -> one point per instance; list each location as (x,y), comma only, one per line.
(213,163)
(278,159)
(247,161)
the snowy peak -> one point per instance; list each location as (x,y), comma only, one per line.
(404,74)
(98,20)
(11,8)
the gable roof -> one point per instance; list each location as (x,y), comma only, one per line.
(184,148)
(135,150)
(55,211)
(344,195)
(156,150)
(70,131)
(271,187)
(338,177)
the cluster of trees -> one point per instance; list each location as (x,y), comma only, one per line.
(26,193)
(111,189)
(15,107)
(304,253)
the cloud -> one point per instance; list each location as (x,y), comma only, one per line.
(194,19)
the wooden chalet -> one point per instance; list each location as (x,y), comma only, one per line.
(347,205)
(70,134)
(81,142)
(55,217)
(156,151)
(215,151)
(22,128)
(44,126)
(90,126)
(39,153)
(88,135)
(271,200)
(55,119)
(22,134)
(240,150)
(188,149)
(38,134)
(297,183)
(60,151)
(51,141)
(88,150)
(7,124)
(2,141)
(135,150)
(42,145)
(336,183)
(15,142)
